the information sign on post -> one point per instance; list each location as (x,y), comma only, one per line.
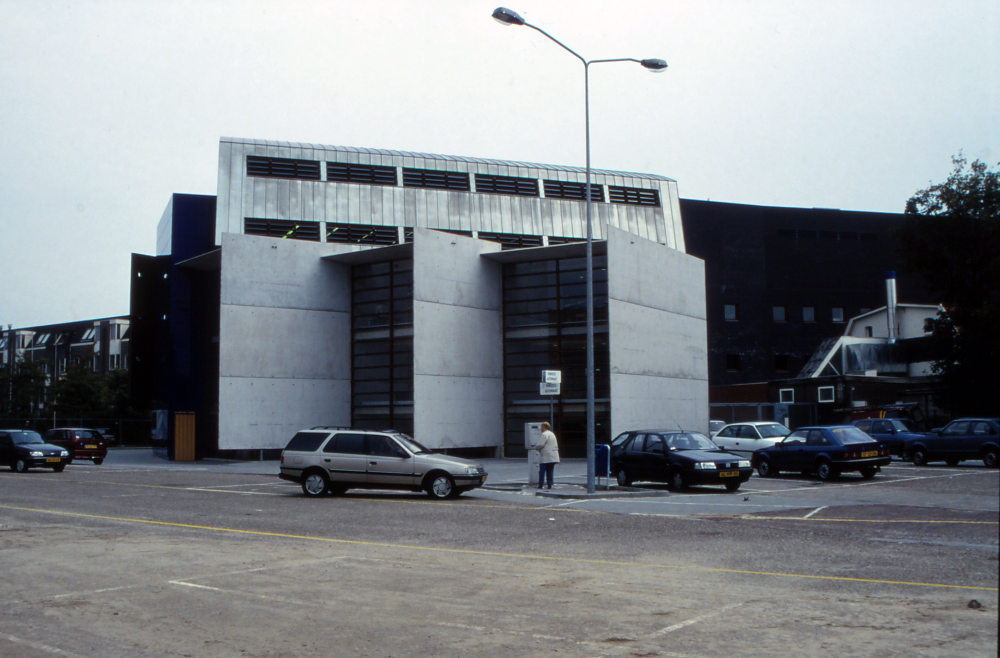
(546,388)
(552,376)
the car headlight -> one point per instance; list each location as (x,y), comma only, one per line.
(36,453)
(744,463)
(65,453)
(472,470)
(705,466)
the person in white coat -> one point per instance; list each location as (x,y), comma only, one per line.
(548,455)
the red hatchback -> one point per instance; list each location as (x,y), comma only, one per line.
(82,443)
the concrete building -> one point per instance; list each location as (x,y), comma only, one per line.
(781,281)
(327,285)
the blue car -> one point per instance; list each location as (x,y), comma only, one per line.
(826,451)
(962,439)
(890,432)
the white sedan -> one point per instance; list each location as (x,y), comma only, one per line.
(743,438)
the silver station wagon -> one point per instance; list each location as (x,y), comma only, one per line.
(332,460)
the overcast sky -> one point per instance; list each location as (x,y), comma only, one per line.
(107,108)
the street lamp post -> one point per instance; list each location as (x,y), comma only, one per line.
(505,16)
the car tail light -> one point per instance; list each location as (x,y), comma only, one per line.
(282,461)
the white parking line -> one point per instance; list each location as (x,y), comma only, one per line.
(39,646)
(818,509)
(695,620)
(181,582)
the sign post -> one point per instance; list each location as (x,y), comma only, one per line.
(550,386)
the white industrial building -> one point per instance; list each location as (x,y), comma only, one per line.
(341,286)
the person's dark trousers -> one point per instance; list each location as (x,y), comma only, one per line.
(545,470)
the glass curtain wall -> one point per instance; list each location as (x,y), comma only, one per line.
(545,328)
(382,346)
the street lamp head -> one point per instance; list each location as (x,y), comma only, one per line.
(654,65)
(505,16)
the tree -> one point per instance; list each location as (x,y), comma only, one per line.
(952,239)
(21,388)
(79,393)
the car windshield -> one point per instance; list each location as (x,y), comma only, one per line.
(690,441)
(900,426)
(410,444)
(850,435)
(26,438)
(773,430)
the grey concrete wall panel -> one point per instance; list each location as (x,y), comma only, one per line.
(457,341)
(265,272)
(657,403)
(266,413)
(645,273)
(164,230)
(284,340)
(657,335)
(458,412)
(264,342)
(223,187)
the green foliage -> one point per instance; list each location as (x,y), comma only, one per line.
(21,385)
(79,393)
(952,239)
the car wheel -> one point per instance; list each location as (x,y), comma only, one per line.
(825,471)
(765,470)
(990,458)
(623,479)
(676,480)
(315,484)
(919,456)
(951,461)
(19,465)
(98,461)
(732,486)
(440,486)
(868,472)
(58,468)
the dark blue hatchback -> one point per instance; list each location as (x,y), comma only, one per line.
(890,432)
(826,451)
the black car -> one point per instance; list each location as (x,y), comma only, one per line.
(677,458)
(24,449)
(965,438)
(827,451)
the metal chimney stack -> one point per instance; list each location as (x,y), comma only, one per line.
(890,304)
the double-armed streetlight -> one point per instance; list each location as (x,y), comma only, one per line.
(505,16)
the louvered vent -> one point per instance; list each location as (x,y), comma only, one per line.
(282,168)
(511,240)
(555,189)
(553,240)
(361,234)
(634,196)
(506,185)
(436,180)
(343,172)
(282,228)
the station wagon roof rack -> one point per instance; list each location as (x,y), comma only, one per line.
(334,427)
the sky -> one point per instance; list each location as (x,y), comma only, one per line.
(108,108)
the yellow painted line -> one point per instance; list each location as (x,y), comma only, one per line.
(520,556)
(748,517)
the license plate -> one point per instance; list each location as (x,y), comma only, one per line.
(53,459)
(90,446)
(729,474)
(873,453)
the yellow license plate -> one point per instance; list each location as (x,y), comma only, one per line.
(729,474)
(873,453)
(90,446)
(53,459)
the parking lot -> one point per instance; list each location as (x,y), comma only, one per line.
(140,557)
